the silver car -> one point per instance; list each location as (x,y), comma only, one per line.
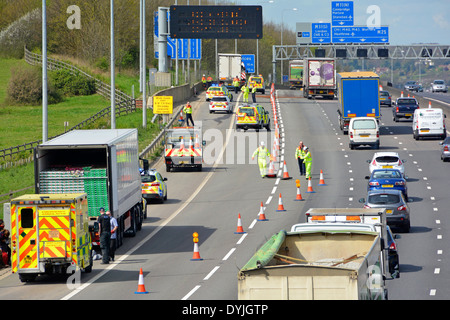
(438,86)
(397,209)
(445,149)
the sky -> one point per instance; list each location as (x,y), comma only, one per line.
(409,21)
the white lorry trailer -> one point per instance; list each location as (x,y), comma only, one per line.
(319,78)
(104,164)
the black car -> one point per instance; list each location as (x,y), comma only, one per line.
(393,259)
(404,108)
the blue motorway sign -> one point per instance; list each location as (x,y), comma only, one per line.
(360,34)
(183,45)
(342,13)
(321,33)
(249,62)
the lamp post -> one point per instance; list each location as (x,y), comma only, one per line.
(282,22)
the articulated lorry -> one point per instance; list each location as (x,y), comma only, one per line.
(231,66)
(49,234)
(319,78)
(358,96)
(104,164)
(315,265)
(295,74)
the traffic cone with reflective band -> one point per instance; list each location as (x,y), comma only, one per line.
(285,172)
(299,195)
(261,216)
(429,104)
(239,230)
(197,143)
(141,286)
(271,173)
(196,255)
(321,181)
(280,204)
(310,189)
(182,143)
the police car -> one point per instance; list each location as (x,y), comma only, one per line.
(153,185)
(218,91)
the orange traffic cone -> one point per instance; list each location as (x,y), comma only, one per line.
(197,143)
(321,181)
(280,204)
(285,172)
(182,143)
(271,173)
(196,255)
(239,230)
(299,195)
(141,286)
(429,104)
(261,216)
(310,189)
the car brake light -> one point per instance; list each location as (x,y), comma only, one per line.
(392,246)
(155,184)
(397,109)
(374,163)
(351,135)
(378,134)
(366,206)
(400,183)
(374,183)
(401,208)
(446,148)
(399,162)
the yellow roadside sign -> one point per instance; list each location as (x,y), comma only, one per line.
(163,104)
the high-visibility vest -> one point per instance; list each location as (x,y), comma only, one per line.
(209,79)
(253,89)
(308,158)
(262,153)
(236,82)
(188,109)
(203,79)
(299,153)
(245,89)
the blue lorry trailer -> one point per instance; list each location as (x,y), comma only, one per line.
(358,96)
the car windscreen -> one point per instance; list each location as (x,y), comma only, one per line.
(384,93)
(439,82)
(386,159)
(256,80)
(148,178)
(406,101)
(386,174)
(364,124)
(250,112)
(383,198)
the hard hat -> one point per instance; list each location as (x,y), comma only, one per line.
(262,143)
(203,74)
(305,148)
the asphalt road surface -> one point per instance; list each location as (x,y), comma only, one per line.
(209,202)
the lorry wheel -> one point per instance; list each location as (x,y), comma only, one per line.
(168,168)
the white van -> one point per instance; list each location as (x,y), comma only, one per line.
(429,122)
(364,131)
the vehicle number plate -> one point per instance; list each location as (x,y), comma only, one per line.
(424,130)
(389,211)
(387,167)
(387,186)
(408,114)
(364,135)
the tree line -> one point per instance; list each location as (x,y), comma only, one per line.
(91,42)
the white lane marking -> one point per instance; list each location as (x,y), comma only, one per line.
(211,273)
(191,292)
(242,238)
(228,254)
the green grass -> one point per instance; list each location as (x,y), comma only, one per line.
(23,124)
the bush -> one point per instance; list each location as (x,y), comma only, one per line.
(72,84)
(25,87)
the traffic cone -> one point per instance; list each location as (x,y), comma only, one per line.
(182,143)
(429,104)
(401,95)
(280,204)
(261,216)
(271,173)
(310,189)
(321,181)
(196,255)
(299,195)
(285,172)
(197,143)
(141,286)
(239,230)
